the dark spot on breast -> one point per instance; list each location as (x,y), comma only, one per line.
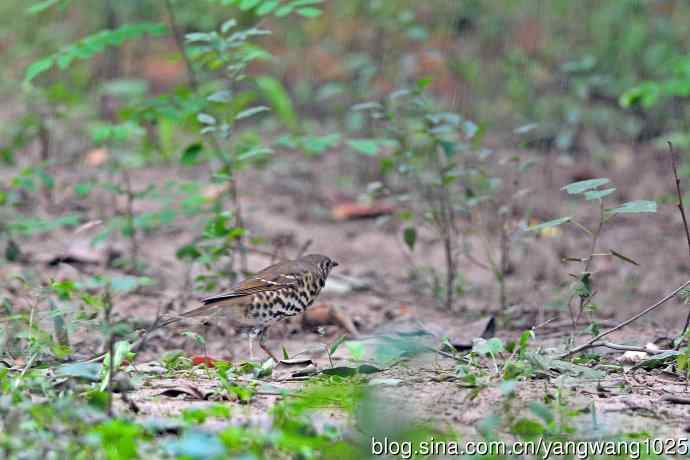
(302,302)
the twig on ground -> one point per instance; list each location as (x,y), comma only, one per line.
(617,346)
(542,324)
(446,354)
(593,342)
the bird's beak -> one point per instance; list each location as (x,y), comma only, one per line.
(334,263)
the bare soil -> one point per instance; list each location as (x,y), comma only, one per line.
(289,203)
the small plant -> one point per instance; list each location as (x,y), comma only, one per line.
(424,152)
(583,291)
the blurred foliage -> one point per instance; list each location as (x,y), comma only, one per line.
(562,64)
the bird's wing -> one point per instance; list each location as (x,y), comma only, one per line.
(278,276)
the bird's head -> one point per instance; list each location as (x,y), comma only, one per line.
(324,263)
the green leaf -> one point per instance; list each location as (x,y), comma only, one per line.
(189,252)
(334,347)
(347,371)
(91,45)
(227,25)
(191,154)
(370,105)
(13,252)
(309,12)
(284,10)
(37,68)
(340,371)
(277,96)
(422,83)
(266,7)
(542,411)
(410,237)
(524,339)
(122,349)
(206,119)
(584,185)
(41,6)
(128,283)
(223,95)
(658,360)
(197,445)
(527,429)
(541,361)
(550,223)
(248,4)
(86,371)
(491,347)
(198,37)
(251,111)
(64,288)
(632,207)
(598,194)
(368,147)
(314,145)
(647,94)
(356,349)
(253,153)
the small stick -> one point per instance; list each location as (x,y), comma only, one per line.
(543,323)
(592,342)
(304,248)
(681,207)
(616,346)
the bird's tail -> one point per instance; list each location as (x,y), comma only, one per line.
(208,307)
(166,320)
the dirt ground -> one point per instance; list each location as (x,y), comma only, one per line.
(290,202)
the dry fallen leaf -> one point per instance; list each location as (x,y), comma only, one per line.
(207,360)
(211,192)
(324,314)
(352,210)
(96,157)
(632,357)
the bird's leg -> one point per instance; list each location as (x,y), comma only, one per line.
(251,336)
(205,333)
(262,344)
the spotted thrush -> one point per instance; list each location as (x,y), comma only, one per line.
(276,292)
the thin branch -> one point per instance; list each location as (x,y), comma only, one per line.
(134,244)
(304,248)
(179,41)
(592,342)
(681,207)
(108,308)
(581,227)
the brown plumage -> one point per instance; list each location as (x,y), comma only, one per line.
(280,290)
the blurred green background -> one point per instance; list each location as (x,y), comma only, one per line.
(576,74)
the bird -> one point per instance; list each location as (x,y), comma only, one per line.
(278,291)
